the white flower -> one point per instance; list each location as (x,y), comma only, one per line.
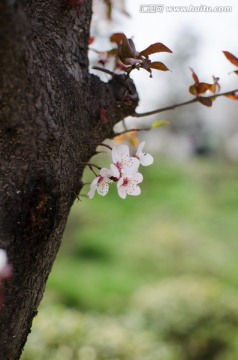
(102,181)
(124,171)
(101,184)
(128,185)
(145,159)
(126,164)
(114,173)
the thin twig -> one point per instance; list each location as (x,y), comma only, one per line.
(91,165)
(172,107)
(91,168)
(109,72)
(128,130)
(94,165)
(107,146)
(86,183)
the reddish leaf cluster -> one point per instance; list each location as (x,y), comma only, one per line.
(127,58)
(199,88)
(132,59)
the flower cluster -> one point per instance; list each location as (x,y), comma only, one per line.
(123,171)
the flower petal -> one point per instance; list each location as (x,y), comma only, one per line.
(146,159)
(138,178)
(128,185)
(103,188)
(121,189)
(93,188)
(105,173)
(114,171)
(119,152)
(140,147)
(91,193)
(133,189)
(130,166)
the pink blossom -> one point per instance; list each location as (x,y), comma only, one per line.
(144,158)
(128,185)
(124,162)
(123,171)
(102,181)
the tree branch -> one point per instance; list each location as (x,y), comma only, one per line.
(175,106)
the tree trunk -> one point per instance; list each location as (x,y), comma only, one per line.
(50,126)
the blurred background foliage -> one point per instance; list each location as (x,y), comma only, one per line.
(150,277)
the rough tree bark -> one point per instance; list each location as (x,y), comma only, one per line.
(49,127)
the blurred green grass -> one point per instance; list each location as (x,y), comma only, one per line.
(153,277)
(185,222)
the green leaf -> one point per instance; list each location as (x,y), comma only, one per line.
(159,123)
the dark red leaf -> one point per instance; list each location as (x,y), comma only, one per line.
(117,38)
(200,88)
(205,101)
(132,46)
(232,58)
(126,49)
(203,87)
(158,66)
(232,96)
(193,90)
(195,77)
(154,48)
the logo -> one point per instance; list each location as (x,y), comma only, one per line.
(151,8)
